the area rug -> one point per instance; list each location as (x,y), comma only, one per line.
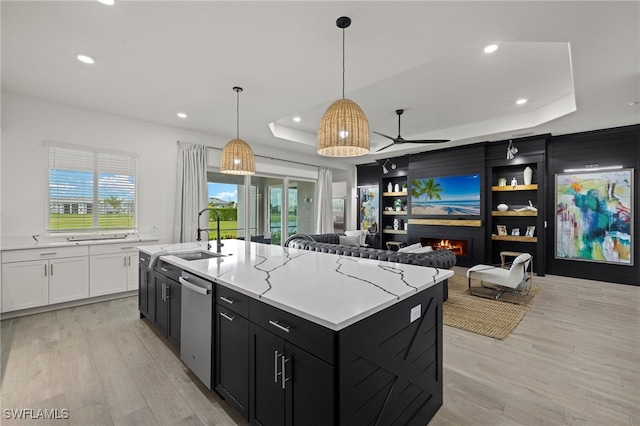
(493,318)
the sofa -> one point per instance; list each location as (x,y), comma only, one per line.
(330,243)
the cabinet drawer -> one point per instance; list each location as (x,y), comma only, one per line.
(144,259)
(232,300)
(314,338)
(43,253)
(168,270)
(114,248)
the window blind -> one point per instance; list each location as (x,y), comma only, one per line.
(91,191)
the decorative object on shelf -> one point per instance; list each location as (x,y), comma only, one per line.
(502,182)
(511,151)
(396,188)
(406,226)
(527,175)
(343,129)
(237,156)
(404,187)
(595,216)
(384,167)
(502,207)
(398,204)
(515,231)
(396,224)
(530,231)
(530,207)
(502,229)
(514,183)
(390,187)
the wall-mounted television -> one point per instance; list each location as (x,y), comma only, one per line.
(446,196)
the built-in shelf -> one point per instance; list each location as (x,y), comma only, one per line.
(394,194)
(395,212)
(446,222)
(531,187)
(394,231)
(518,238)
(514,213)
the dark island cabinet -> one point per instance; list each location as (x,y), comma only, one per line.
(146,289)
(168,300)
(232,349)
(291,386)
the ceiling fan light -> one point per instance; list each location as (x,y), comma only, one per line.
(237,158)
(343,130)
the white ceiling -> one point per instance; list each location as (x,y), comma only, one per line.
(577,62)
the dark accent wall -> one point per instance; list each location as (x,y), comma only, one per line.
(552,154)
(618,146)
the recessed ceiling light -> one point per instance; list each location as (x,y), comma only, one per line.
(491,48)
(521,101)
(297,119)
(108,2)
(181,115)
(85,59)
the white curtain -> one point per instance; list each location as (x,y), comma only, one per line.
(324,197)
(191,191)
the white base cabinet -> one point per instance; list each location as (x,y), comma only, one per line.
(114,269)
(38,277)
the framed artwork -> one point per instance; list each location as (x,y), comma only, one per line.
(594,216)
(502,229)
(515,231)
(369,205)
(530,231)
(446,196)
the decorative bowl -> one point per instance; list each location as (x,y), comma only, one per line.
(503,207)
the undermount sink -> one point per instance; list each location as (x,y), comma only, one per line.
(197,255)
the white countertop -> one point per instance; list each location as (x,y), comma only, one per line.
(25,243)
(330,290)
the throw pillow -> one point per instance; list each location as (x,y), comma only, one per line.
(425,249)
(349,241)
(409,248)
(361,234)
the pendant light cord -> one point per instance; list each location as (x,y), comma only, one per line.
(343,56)
(237,114)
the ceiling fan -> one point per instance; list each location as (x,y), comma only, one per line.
(400,140)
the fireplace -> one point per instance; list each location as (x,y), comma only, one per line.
(458,246)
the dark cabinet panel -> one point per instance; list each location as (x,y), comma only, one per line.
(162,308)
(174,301)
(268,395)
(232,360)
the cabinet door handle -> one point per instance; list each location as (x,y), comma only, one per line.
(45,270)
(227,316)
(167,292)
(229,301)
(125,260)
(129,260)
(126,248)
(284,369)
(51,269)
(276,324)
(49,254)
(276,355)
(164,269)
(143,259)
(164,292)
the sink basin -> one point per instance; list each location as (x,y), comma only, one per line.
(196,255)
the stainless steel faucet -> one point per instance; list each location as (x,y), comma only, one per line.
(218,240)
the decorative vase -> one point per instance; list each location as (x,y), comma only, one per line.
(502,182)
(396,224)
(397,188)
(514,183)
(528,174)
(503,207)
(390,187)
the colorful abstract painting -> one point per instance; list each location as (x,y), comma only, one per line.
(369,208)
(594,216)
(446,196)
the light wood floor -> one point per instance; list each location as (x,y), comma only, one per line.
(574,359)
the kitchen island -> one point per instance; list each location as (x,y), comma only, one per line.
(327,339)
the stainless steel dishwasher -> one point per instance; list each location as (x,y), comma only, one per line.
(196,325)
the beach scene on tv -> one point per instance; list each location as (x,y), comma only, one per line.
(446,196)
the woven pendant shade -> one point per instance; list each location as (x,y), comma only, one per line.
(237,158)
(343,130)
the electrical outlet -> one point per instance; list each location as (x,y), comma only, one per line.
(416,312)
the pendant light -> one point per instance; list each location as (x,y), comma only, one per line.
(237,156)
(344,129)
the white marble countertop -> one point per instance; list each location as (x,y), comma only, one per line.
(28,242)
(330,290)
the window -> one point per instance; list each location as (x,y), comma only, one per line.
(91,191)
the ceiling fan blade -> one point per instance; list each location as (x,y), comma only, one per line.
(381,134)
(385,147)
(427,141)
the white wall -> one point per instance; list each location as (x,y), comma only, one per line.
(27,122)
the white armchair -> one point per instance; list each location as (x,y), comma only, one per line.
(498,280)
